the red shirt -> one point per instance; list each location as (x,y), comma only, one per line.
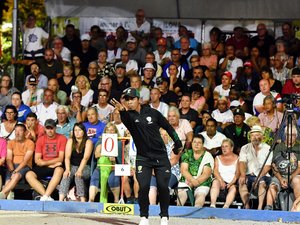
(289,88)
(50,148)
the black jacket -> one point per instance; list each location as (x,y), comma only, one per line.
(144,128)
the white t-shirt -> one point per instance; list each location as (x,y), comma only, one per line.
(130,65)
(157,57)
(104,113)
(65,55)
(26,96)
(215,142)
(44,113)
(33,40)
(221,91)
(144,94)
(145,27)
(232,66)
(112,55)
(225,117)
(163,108)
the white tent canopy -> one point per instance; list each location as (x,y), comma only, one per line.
(178,9)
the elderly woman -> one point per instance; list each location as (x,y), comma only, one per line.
(77,110)
(196,169)
(181,126)
(83,85)
(226,174)
(77,163)
(104,68)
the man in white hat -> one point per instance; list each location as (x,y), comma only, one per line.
(149,72)
(252,157)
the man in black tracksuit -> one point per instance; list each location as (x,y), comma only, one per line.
(144,123)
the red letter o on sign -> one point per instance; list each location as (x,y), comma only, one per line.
(106,144)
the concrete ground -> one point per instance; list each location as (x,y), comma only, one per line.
(37,218)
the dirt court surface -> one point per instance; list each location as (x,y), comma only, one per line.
(36,218)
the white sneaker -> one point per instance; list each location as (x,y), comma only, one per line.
(144,221)
(46,198)
(11,195)
(164,221)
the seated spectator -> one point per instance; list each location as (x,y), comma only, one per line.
(222,114)
(252,157)
(77,67)
(88,53)
(224,88)
(23,110)
(270,117)
(3,152)
(41,79)
(175,168)
(104,67)
(131,65)
(34,129)
(204,115)
(113,52)
(264,87)
(257,61)
(240,41)
(209,60)
(60,97)
(280,71)
(32,96)
(148,75)
(280,164)
(116,120)
(49,157)
(196,169)
(94,126)
(184,32)
(167,96)
(70,39)
(97,37)
(150,58)
(237,99)
(155,102)
(46,109)
(6,90)
(136,82)
(99,174)
(176,84)
(77,163)
(93,76)
(226,174)
(267,74)
(292,86)
(7,128)
(83,85)
(135,52)
(186,112)
(162,55)
(64,123)
(199,78)
(67,80)
(212,138)
(181,126)
(77,110)
(103,108)
(217,46)
(198,100)
(62,53)
(18,159)
(140,26)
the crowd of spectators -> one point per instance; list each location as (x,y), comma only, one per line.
(224,98)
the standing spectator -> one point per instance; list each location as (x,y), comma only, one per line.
(18,159)
(77,163)
(240,41)
(49,157)
(88,53)
(97,40)
(140,27)
(33,39)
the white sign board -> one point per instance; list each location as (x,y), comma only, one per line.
(122,170)
(109,145)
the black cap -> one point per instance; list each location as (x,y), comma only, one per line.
(32,80)
(131,92)
(50,123)
(239,111)
(121,65)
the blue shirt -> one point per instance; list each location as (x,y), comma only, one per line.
(67,128)
(94,131)
(23,111)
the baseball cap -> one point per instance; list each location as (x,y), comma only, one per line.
(248,64)
(162,41)
(149,66)
(227,74)
(121,65)
(239,111)
(131,92)
(32,80)
(131,39)
(85,37)
(50,123)
(256,128)
(234,104)
(111,38)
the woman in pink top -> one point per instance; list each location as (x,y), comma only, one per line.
(226,174)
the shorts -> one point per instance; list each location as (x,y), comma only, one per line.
(251,179)
(199,190)
(113,181)
(22,172)
(43,172)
